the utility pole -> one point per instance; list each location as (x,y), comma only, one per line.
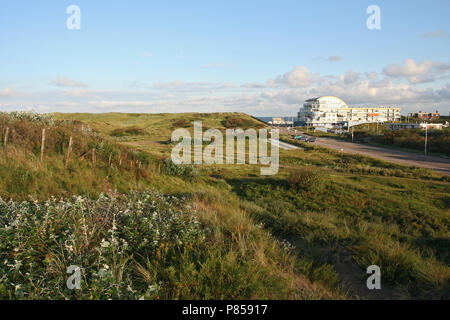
(426,138)
(353,134)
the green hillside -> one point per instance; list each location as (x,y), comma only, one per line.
(140,226)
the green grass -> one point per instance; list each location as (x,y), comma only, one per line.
(242,235)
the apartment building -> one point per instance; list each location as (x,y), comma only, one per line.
(330,111)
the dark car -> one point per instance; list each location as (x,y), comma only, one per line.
(305,138)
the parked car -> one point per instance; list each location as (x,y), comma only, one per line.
(305,138)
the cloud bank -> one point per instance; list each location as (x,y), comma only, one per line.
(412,85)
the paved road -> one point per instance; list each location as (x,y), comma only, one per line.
(400,157)
(405,158)
(284,145)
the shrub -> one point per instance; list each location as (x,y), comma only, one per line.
(179,170)
(129,131)
(305,179)
(42,118)
(106,237)
(231,122)
(183,123)
(242,123)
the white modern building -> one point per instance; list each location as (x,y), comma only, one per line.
(277,121)
(280,122)
(332,111)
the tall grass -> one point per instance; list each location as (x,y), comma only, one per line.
(211,232)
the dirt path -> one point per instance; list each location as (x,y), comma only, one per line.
(352,277)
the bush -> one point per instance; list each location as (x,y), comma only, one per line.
(179,170)
(182,123)
(108,238)
(305,179)
(129,131)
(233,122)
(438,140)
(242,123)
(42,118)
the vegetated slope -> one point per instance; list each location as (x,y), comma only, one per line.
(152,132)
(338,213)
(22,173)
(190,240)
(373,211)
(364,211)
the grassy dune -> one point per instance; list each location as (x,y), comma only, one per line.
(219,231)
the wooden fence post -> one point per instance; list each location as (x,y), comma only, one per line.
(69,150)
(5,142)
(42,144)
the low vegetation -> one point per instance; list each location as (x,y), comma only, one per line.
(128,131)
(438,141)
(140,226)
(22,173)
(305,179)
(139,246)
(241,122)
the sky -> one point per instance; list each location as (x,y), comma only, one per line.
(260,57)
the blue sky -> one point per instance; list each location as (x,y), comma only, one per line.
(260,57)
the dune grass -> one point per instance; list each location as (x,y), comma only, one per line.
(280,237)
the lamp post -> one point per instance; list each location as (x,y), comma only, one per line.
(426,138)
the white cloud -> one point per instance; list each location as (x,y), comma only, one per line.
(9,93)
(178,85)
(66,82)
(349,77)
(425,71)
(334,59)
(77,92)
(254,85)
(435,34)
(444,92)
(399,85)
(298,77)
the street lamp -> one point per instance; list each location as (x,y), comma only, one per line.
(426,138)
